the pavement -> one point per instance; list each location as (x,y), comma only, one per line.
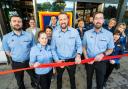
(117,80)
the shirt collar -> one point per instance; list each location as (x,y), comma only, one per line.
(40,46)
(22,33)
(67,29)
(101,30)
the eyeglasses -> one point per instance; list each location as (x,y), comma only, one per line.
(101,18)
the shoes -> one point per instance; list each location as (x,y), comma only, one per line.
(34,85)
(104,84)
(104,87)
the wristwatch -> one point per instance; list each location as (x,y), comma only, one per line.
(104,53)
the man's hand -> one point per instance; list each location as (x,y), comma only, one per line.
(99,57)
(60,61)
(36,64)
(112,61)
(89,62)
(31,64)
(78,59)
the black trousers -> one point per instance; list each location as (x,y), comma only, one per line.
(71,71)
(20,75)
(109,69)
(44,80)
(100,69)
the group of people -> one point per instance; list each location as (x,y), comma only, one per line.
(63,44)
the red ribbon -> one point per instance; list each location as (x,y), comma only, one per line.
(60,64)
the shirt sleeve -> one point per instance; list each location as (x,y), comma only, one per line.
(5,44)
(84,41)
(53,48)
(33,40)
(33,57)
(111,42)
(78,44)
(123,41)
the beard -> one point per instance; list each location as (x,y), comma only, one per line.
(98,25)
(16,28)
(63,25)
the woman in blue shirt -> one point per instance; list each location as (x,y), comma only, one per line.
(122,27)
(114,63)
(41,54)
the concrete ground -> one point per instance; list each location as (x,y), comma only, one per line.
(118,79)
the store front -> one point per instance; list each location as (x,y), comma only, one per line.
(79,9)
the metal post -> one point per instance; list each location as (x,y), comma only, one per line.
(122,12)
(35,11)
(1,31)
(74,13)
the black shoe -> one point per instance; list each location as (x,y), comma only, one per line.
(104,84)
(33,85)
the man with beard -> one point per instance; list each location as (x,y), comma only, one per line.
(89,25)
(17,45)
(66,47)
(97,43)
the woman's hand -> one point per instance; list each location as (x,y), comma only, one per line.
(36,64)
(112,61)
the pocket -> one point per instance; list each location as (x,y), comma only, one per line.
(25,43)
(103,43)
(12,43)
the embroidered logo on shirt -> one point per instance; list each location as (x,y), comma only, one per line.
(26,41)
(71,37)
(91,36)
(103,40)
(12,40)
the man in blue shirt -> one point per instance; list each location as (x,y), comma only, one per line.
(97,43)
(17,45)
(66,47)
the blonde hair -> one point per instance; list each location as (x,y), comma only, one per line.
(123,24)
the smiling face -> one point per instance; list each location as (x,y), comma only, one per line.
(16,23)
(81,24)
(121,28)
(112,23)
(48,32)
(63,20)
(32,23)
(98,20)
(53,20)
(43,40)
(116,37)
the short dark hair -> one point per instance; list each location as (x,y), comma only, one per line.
(63,13)
(48,27)
(15,16)
(117,32)
(97,13)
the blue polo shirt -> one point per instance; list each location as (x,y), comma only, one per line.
(96,43)
(42,55)
(18,45)
(65,45)
(118,50)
